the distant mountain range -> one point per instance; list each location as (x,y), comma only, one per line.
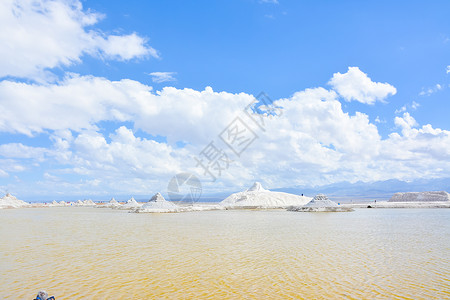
(379,190)
(339,192)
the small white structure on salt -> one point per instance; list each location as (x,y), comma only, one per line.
(9,201)
(420,197)
(131,204)
(258,197)
(158,204)
(320,203)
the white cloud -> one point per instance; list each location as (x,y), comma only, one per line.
(38,35)
(160,77)
(80,102)
(414,106)
(356,85)
(429,91)
(9,165)
(3,173)
(448,69)
(401,109)
(379,120)
(313,142)
(406,122)
(126,47)
(18,150)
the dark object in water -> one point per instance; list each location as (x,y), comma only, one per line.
(368,206)
(42,295)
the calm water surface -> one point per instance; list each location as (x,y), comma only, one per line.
(109,254)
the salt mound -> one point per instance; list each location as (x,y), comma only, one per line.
(113,203)
(320,200)
(89,202)
(131,204)
(60,203)
(258,197)
(54,203)
(420,197)
(9,201)
(158,204)
(320,203)
(256,187)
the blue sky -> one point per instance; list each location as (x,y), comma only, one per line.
(364,89)
(249,46)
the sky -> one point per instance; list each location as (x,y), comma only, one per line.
(107,98)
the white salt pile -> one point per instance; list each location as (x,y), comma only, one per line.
(60,203)
(131,204)
(258,197)
(157,204)
(320,203)
(89,202)
(420,197)
(111,204)
(9,201)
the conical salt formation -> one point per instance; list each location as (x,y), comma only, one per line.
(258,197)
(113,203)
(89,202)
(158,204)
(256,187)
(320,203)
(131,204)
(320,200)
(157,198)
(9,201)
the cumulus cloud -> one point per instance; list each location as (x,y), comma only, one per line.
(356,85)
(79,102)
(38,35)
(125,47)
(159,77)
(406,122)
(312,142)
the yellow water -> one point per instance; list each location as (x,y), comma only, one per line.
(93,253)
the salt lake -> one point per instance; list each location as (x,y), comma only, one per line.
(77,252)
